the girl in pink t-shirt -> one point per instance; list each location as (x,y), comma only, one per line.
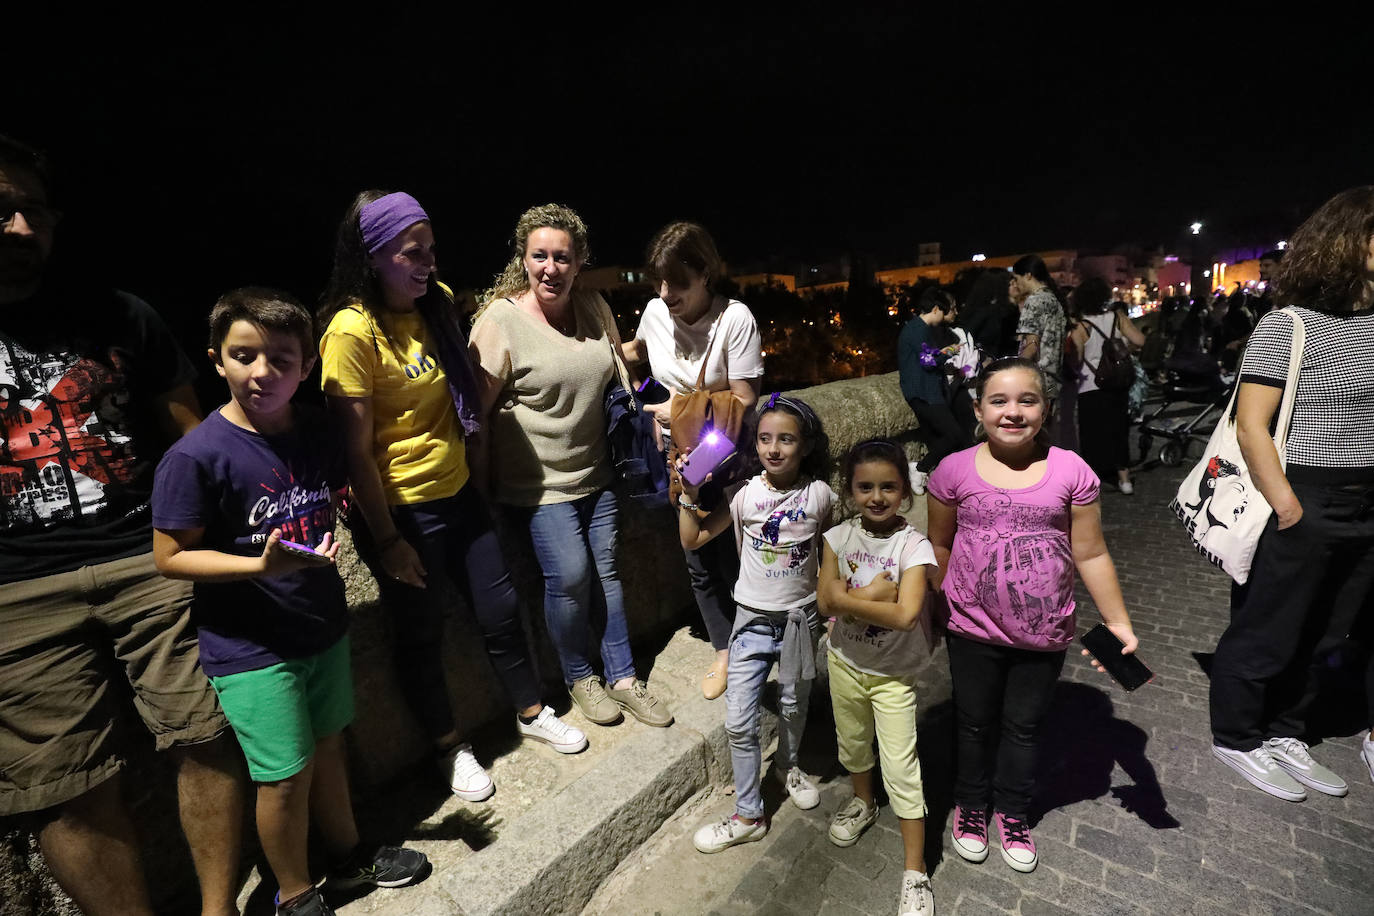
(1011,519)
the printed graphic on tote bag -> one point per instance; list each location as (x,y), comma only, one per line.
(1221,501)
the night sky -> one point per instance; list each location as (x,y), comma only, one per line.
(226,155)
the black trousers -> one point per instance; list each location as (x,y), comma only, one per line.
(1103,431)
(1308,583)
(713,570)
(1001,698)
(940,430)
(455,538)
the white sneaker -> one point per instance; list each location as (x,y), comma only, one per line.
(918,899)
(1126,487)
(851,821)
(554,732)
(1292,755)
(919,479)
(1367,755)
(465,775)
(728,832)
(804,793)
(1262,771)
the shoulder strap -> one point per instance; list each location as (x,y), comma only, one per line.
(1100,333)
(1290,388)
(701,375)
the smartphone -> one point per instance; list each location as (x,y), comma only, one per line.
(652,391)
(301,550)
(711,452)
(1128,671)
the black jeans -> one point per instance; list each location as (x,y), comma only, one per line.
(1006,690)
(941,432)
(1104,425)
(455,538)
(714,569)
(1307,582)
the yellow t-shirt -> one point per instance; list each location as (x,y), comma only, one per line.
(417,440)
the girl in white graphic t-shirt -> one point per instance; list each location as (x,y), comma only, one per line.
(777,518)
(873,581)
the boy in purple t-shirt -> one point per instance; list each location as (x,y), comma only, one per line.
(243,506)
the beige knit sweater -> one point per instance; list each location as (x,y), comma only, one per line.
(548,430)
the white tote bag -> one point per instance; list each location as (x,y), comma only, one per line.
(1220,506)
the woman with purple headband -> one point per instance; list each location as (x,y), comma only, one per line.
(397,377)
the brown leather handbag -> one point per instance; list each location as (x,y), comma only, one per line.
(691,412)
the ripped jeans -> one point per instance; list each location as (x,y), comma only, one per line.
(753,650)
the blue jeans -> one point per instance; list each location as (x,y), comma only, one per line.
(571,541)
(752,653)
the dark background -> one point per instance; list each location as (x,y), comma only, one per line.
(216,147)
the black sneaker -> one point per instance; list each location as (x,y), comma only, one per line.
(311,903)
(388,866)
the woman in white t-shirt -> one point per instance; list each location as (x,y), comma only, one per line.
(1103,413)
(688,324)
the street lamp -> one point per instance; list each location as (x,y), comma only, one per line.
(1199,277)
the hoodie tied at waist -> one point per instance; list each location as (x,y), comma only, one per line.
(797,659)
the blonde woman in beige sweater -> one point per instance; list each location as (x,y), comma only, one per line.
(546,351)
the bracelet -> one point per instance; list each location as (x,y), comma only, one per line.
(388,543)
(681,497)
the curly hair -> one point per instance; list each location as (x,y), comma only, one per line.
(681,249)
(513,280)
(1324,267)
(874,450)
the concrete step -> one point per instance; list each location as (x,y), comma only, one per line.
(558,825)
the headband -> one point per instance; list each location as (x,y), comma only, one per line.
(387,217)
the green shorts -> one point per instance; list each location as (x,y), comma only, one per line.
(277,712)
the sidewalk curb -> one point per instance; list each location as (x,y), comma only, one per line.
(553,858)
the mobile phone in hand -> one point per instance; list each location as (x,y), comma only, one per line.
(1127,670)
(711,452)
(301,550)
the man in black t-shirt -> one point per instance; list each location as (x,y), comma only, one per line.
(92,387)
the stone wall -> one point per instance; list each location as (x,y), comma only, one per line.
(385,740)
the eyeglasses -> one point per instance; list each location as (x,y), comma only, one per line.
(39,217)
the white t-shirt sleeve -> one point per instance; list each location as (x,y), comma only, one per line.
(917,551)
(743,345)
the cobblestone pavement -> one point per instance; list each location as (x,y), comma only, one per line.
(1138,816)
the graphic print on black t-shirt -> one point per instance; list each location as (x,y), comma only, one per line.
(66,452)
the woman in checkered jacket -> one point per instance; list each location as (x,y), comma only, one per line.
(1314,569)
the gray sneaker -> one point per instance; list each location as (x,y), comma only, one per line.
(851,821)
(643,705)
(1292,755)
(1262,771)
(592,700)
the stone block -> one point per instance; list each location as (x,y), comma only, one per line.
(576,838)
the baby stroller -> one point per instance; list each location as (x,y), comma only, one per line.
(1195,384)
